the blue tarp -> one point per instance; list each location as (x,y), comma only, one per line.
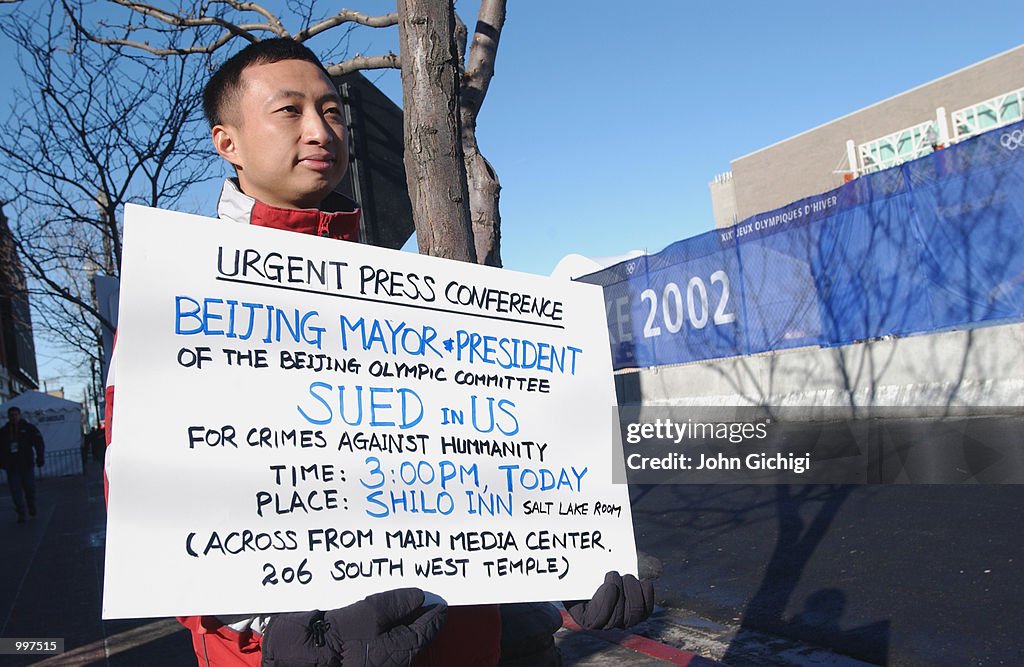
(932,244)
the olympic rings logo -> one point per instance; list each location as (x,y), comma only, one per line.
(1011,141)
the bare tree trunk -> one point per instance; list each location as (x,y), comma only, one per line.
(434,163)
(484,188)
(484,191)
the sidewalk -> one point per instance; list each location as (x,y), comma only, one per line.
(52,581)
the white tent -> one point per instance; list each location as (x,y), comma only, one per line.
(573,265)
(60,422)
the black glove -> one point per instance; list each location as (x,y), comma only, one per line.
(618,603)
(39,462)
(384,630)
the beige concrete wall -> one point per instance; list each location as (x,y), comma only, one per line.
(955,369)
(723,202)
(802,165)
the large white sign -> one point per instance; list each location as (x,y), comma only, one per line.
(301,422)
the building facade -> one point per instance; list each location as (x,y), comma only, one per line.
(977,98)
(17,350)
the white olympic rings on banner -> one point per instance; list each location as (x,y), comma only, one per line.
(1011,141)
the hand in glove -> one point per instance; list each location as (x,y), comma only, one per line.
(618,603)
(383,630)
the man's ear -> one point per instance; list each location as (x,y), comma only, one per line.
(224,143)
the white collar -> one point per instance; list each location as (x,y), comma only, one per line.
(234,205)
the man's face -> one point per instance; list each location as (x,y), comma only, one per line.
(14,414)
(285,134)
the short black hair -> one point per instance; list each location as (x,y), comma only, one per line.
(226,81)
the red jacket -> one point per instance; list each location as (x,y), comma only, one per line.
(471,636)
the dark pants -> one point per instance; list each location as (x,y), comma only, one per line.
(23,487)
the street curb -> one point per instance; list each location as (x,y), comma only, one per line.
(644,645)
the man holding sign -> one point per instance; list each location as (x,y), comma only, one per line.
(277,119)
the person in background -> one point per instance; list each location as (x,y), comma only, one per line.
(21,446)
(86,441)
(99,444)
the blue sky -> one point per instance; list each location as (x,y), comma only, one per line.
(606,120)
(605,125)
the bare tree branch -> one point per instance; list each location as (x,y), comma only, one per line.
(182,21)
(302,10)
(272,19)
(231,30)
(484,187)
(347,16)
(461,35)
(358,63)
(78,144)
(482,53)
(65,292)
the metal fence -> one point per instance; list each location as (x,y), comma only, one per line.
(932,245)
(58,464)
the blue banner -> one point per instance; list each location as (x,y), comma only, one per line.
(933,244)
